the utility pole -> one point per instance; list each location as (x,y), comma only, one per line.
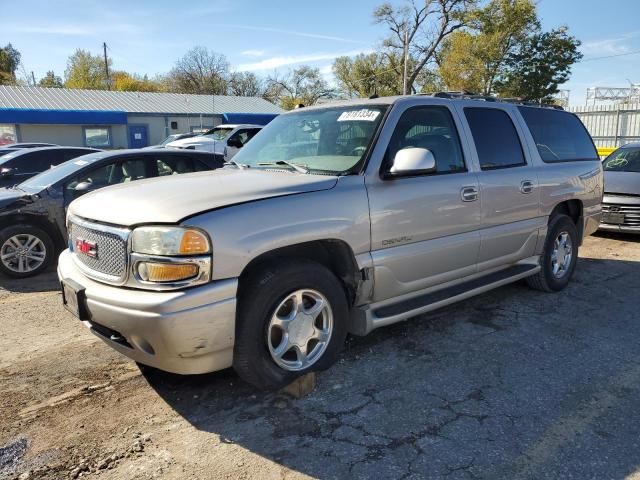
(406,54)
(33,77)
(106,65)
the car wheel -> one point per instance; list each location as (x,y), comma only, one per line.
(25,250)
(559,257)
(292,319)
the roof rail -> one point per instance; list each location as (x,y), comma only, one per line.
(490,98)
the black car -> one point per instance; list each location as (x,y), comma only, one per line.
(5,150)
(32,214)
(18,166)
(30,145)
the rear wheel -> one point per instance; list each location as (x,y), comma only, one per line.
(291,320)
(559,257)
(25,250)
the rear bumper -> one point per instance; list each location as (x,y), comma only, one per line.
(187,332)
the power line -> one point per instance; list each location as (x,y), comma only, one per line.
(635,52)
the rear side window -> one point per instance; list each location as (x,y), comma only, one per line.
(559,136)
(495,137)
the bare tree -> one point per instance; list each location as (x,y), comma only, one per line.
(246,84)
(419,28)
(302,85)
(199,71)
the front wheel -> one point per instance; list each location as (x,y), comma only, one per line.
(291,320)
(25,250)
(559,257)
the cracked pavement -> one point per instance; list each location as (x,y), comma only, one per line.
(510,384)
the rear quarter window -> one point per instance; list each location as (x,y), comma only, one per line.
(560,136)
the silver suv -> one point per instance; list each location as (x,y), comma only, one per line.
(334,219)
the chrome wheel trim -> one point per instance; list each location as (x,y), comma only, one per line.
(300,329)
(23,253)
(561,255)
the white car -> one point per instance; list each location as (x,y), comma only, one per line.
(224,139)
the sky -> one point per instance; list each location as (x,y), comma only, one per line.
(147,37)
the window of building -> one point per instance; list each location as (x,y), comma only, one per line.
(7,134)
(559,136)
(495,137)
(97,137)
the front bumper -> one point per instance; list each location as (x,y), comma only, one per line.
(618,228)
(186,331)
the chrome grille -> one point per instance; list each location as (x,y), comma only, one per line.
(110,260)
(631,213)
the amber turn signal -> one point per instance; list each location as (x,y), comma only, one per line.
(193,243)
(166,272)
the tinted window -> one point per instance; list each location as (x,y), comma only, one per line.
(111,174)
(34,162)
(559,136)
(623,160)
(175,165)
(431,128)
(495,137)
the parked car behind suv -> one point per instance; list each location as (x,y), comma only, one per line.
(224,139)
(32,214)
(18,166)
(336,218)
(621,202)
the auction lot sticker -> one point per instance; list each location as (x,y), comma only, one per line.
(359,116)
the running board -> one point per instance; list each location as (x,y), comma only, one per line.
(368,318)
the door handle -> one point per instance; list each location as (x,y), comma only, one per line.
(469,194)
(526,186)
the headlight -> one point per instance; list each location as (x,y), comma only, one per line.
(169,241)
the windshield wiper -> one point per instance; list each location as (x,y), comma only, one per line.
(241,166)
(295,166)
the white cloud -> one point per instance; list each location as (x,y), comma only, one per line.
(608,46)
(283,61)
(253,53)
(290,32)
(74,30)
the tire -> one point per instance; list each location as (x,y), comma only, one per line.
(23,266)
(546,280)
(266,300)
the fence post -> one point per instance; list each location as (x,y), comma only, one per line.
(615,141)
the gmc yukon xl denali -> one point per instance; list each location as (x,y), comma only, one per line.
(334,219)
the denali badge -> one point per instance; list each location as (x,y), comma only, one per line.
(90,249)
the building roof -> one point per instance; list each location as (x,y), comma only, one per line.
(40,98)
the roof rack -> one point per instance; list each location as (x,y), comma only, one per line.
(489,98)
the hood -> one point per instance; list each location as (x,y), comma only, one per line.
(622,182)
(192,141)
(173,198)
(12,197)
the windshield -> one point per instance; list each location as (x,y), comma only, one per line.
(218,134)
(62,171)
(328,140)
(169,139)
(623,160)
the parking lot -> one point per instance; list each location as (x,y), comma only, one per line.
(510,384)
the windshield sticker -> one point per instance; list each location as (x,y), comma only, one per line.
(363,115)
(80,162)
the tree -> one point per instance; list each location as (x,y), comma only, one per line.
(420,28)
(50,80)
(473,60)
(127,82)
(369,74)
(9,61)
(541,63)
(199,71)
(85,71)
(246,84)
(302,85)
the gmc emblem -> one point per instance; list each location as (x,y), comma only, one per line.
(90,249)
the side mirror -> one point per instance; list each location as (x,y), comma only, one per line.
(83,187)
(412,161)
(234,142)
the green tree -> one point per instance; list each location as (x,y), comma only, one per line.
(473,59)
(9,61)
(85,70)
(199,71)
(420,27)
(302,85)
(51,80)
(540,64)
(369,74)
(127,82)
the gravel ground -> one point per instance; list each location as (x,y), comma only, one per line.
(510,384)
